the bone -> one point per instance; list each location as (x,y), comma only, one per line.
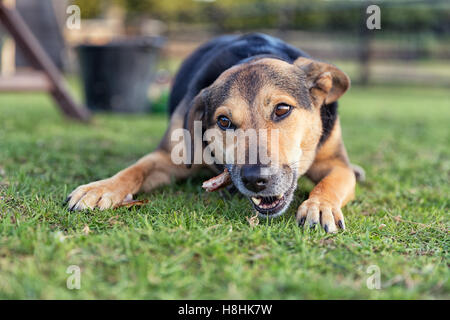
(218,182)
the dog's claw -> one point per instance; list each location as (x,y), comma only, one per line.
(301,222)
(325,227)
(66,201)
(341,224)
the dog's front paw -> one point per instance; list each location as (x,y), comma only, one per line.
(103,194)
(314,211)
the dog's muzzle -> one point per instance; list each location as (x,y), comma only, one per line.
(269,189)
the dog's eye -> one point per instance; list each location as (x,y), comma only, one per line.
(281,110)
(224,123)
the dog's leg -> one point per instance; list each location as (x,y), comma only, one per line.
(335,179)
(151,171)
(328,197)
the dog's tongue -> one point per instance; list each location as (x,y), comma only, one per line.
(218,182)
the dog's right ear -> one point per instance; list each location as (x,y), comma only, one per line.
(195,118)
(325,81)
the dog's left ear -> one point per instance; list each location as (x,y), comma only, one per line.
(325,82)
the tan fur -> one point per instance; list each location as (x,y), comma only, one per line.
(336,184)
(151,171)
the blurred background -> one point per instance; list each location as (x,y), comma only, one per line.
(123,54)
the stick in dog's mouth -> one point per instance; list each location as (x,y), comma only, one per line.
(217,182)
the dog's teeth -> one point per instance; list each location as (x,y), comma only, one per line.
(279,196)
(256,201)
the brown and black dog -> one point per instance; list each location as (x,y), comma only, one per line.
(255,82)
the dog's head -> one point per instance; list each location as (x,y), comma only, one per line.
(280,103)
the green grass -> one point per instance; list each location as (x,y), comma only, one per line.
(189,244)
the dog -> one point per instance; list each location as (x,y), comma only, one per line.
(252,81)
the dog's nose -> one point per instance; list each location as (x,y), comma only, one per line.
(253,179)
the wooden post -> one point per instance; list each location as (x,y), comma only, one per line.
(8,56)
(15,25)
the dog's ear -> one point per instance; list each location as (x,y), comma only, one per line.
(325,82)
(196,113)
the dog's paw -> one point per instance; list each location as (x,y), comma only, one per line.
(103,194)
(360,174)
(313,211)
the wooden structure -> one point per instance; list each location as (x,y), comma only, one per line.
(48,77)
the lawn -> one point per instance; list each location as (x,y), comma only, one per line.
(188,244)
